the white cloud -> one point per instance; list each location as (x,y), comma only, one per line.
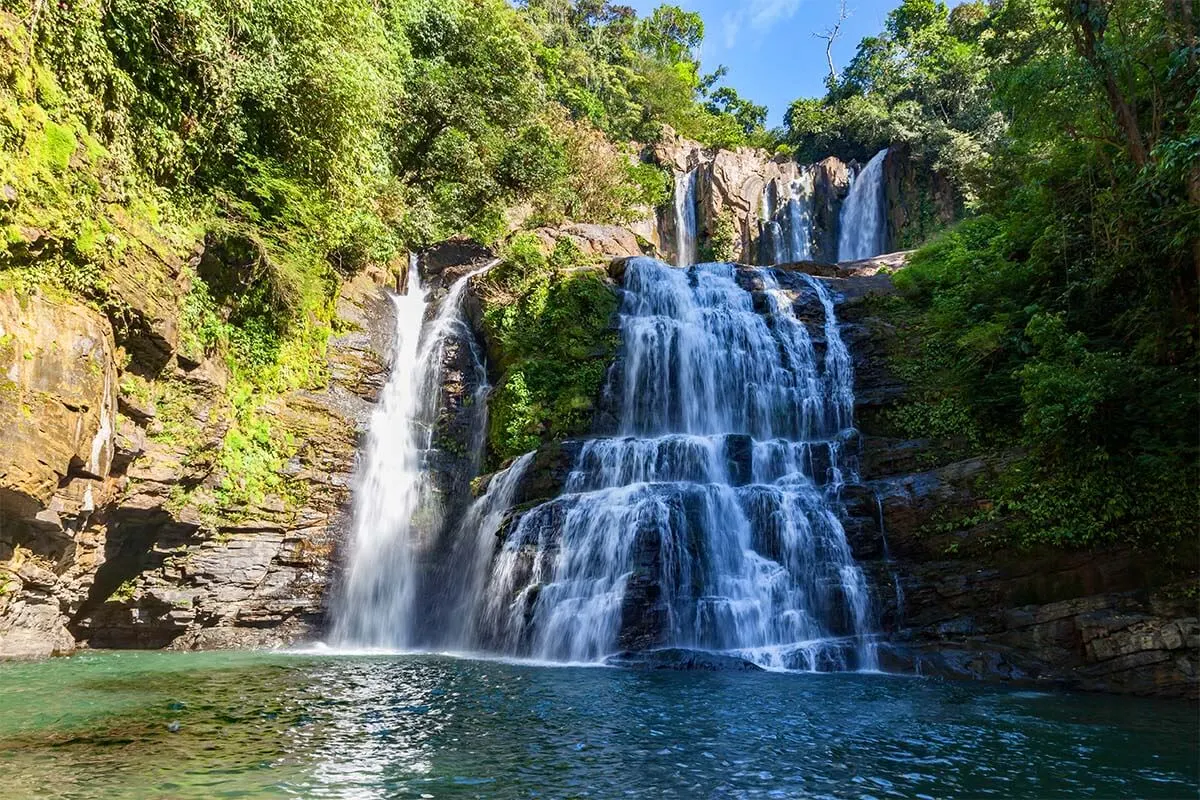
(758,15)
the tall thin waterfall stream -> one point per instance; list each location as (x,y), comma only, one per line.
(863,219)
(376,599)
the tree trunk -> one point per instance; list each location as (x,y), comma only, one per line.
(1194,199)
(1088,36)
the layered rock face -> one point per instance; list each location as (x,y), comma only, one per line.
(58,418)
(954,599)
(105,439)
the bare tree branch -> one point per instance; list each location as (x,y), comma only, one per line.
(830,36)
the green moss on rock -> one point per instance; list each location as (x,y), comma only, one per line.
(552,333)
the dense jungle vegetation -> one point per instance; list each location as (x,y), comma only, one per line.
(316,137)
(304,140)
(1061,317)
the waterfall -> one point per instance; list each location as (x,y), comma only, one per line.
(799,218)
(685,218)
(863,220)
(786,233)
(457,587)
(770,233)
(711,520)
(397,512)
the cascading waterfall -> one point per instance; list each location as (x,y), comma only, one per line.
(711,521)
(686,246)
(397,510)
(863,220)
(457,585)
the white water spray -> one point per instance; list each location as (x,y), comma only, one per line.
(863,219)
(397,511)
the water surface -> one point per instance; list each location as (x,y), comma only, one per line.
(275,725)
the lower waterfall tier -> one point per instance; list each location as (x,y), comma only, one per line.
(713,523)
(764,569)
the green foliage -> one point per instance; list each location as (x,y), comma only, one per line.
(554,329)
(1061,325)
(629,77)
(722,241)
(923,82)
(653,182)
(251,460)
(124,593)
(1102,410)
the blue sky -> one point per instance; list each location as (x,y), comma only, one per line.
(769,46)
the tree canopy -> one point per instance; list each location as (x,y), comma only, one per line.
(1061,318)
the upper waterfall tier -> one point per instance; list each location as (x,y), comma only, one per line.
(699,358)
(864,214)
(748,206)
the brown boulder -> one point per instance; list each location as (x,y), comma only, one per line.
(596,242)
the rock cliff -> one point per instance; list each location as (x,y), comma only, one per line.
(740,191)
(110,534)
(957,598)
(743,197)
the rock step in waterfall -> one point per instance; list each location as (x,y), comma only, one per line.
(711,521)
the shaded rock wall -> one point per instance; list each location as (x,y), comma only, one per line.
(956,598)
(920,201)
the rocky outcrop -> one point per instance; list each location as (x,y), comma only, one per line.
(920,201)
(112,533)
(441,264)
(746,189)
(956,598)
(595,242)
(58,414)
